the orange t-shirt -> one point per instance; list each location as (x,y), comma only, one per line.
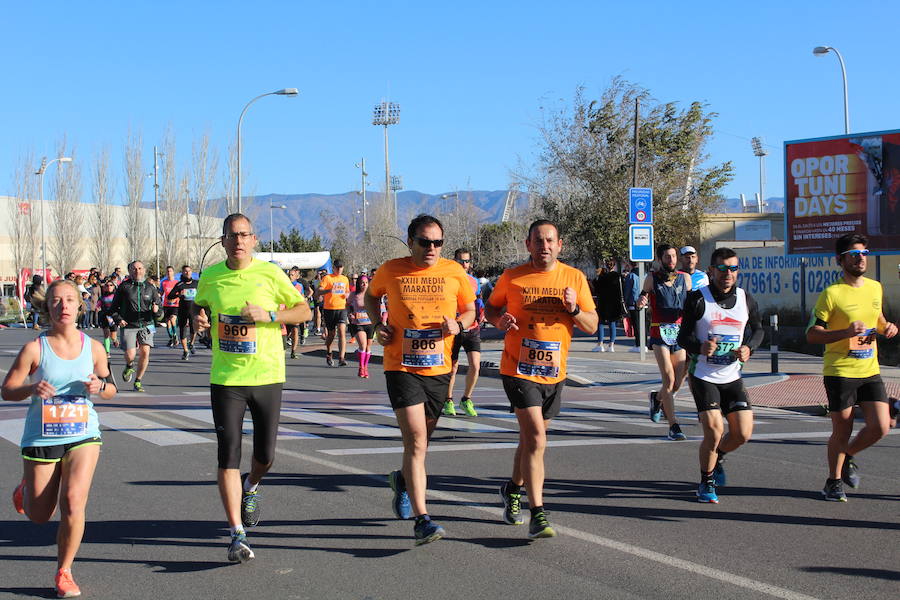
(338,287)
(537,351)
(420,298)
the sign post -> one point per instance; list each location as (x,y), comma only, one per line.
(640,246)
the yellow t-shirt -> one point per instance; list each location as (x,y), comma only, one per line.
(245,353)
(419,299)
(839,305)
(338,287)
(537,351)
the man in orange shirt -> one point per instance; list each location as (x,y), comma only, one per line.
(335,288)
(537,304)
(425,293)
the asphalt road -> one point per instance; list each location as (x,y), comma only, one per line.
(620,495)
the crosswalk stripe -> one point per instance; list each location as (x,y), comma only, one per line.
(11,430)
(555,424)
(444,423)
(339,422)
(204,415)
(150,431)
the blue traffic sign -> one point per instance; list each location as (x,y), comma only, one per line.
(640,206)
(640,243)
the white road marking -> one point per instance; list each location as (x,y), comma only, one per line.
(150,431)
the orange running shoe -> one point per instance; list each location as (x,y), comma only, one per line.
(65,585)
(18,498)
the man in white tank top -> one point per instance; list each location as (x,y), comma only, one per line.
(712,332)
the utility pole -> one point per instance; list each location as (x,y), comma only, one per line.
(156,206)
(642,315)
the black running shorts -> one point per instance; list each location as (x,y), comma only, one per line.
(470,341)
(523,393)
(844,392)
(408,389)
(729,397)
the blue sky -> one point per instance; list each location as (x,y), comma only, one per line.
(471,78)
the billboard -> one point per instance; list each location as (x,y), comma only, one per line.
(842,184)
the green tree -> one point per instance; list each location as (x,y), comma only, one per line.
(292,241)
(585,169)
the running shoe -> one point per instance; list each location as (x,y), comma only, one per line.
(328,360)
(427,531)
(293,354)
(184,355)
(540,526)
(19,498)
(65,585)
(850,473)
(191,349)
(138,386)
(656,411)
(342,363)
(893,408)
(449,409)
(512,506)
(239,550)
(468,407)
(834,491)
(128,373)
(718,475)
(675,433)
(366,372)
(401,504)
(303,341)
(360,372)
(611,348)
(707,493)
(249,505)
(598,348)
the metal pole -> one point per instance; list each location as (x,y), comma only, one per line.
(846,100)
(271,235)
(43,231)
(387,177)
(156,205)
(773,344)
(365,221)
(762,182)
(642,316)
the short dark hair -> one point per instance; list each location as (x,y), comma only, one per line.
(420,221)
(540,222)
(170,267)
(662,249)
(845,241)
(183,267)
(721,254)
(232,218)
(337,263)
(460,251)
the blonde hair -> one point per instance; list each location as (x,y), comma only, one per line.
(41,302)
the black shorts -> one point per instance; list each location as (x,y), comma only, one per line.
(369,329)
(470,341)
(334,317)
(729,397)
(105,318)
(229,404)
(523,393)
(844,392)
(54,454)
(169,312)
(408,389)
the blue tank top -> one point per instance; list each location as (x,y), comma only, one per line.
(69,416)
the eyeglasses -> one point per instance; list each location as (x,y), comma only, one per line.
(724,268)
(856,252)
(465,260)
(238,234)
(426,243)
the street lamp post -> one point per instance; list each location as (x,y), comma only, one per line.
(156,205)
(822,51)
(40,173)
(283,92)
(272,229)
(387,113)
(361,165)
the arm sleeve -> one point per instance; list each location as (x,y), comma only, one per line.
(754,324)
(693,311)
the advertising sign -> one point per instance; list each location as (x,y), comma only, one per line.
(843,184)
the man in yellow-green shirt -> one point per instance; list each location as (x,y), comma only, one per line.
(238,300)
(847,317)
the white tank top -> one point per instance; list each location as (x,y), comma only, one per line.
(726,326)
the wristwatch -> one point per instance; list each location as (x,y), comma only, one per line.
(272,315)
(575,312)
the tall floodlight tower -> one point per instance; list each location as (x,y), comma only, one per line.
(761,152)
(396,186)
(387,113)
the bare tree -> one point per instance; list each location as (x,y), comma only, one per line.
(101,223)
(205,164)
(135,223)
(21,211)
(67,220)
(230,181)
(172,215)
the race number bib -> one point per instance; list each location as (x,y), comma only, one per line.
(539,358)
(362,318)
(669,333)
(236,336)
(190,294)
(339,289)
(423,348)
(64,415)
(725,345)
(151,328)
(863,345)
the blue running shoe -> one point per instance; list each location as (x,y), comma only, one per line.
(401,504)
(834,491)
(239,551)
(656,411)
(718,475)
(427,531)
(675,433)
(850,472)
(707,493)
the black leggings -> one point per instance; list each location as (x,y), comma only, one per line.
(185,322)
(229,403)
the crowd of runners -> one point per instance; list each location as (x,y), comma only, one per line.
(424,310)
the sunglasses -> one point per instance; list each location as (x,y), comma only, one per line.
(856,252)
(238,234)
(724,268)
(425,243)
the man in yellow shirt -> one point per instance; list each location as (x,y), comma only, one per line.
(238,299)
(537,304)
(847,317)
(425,294)
(335,288)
